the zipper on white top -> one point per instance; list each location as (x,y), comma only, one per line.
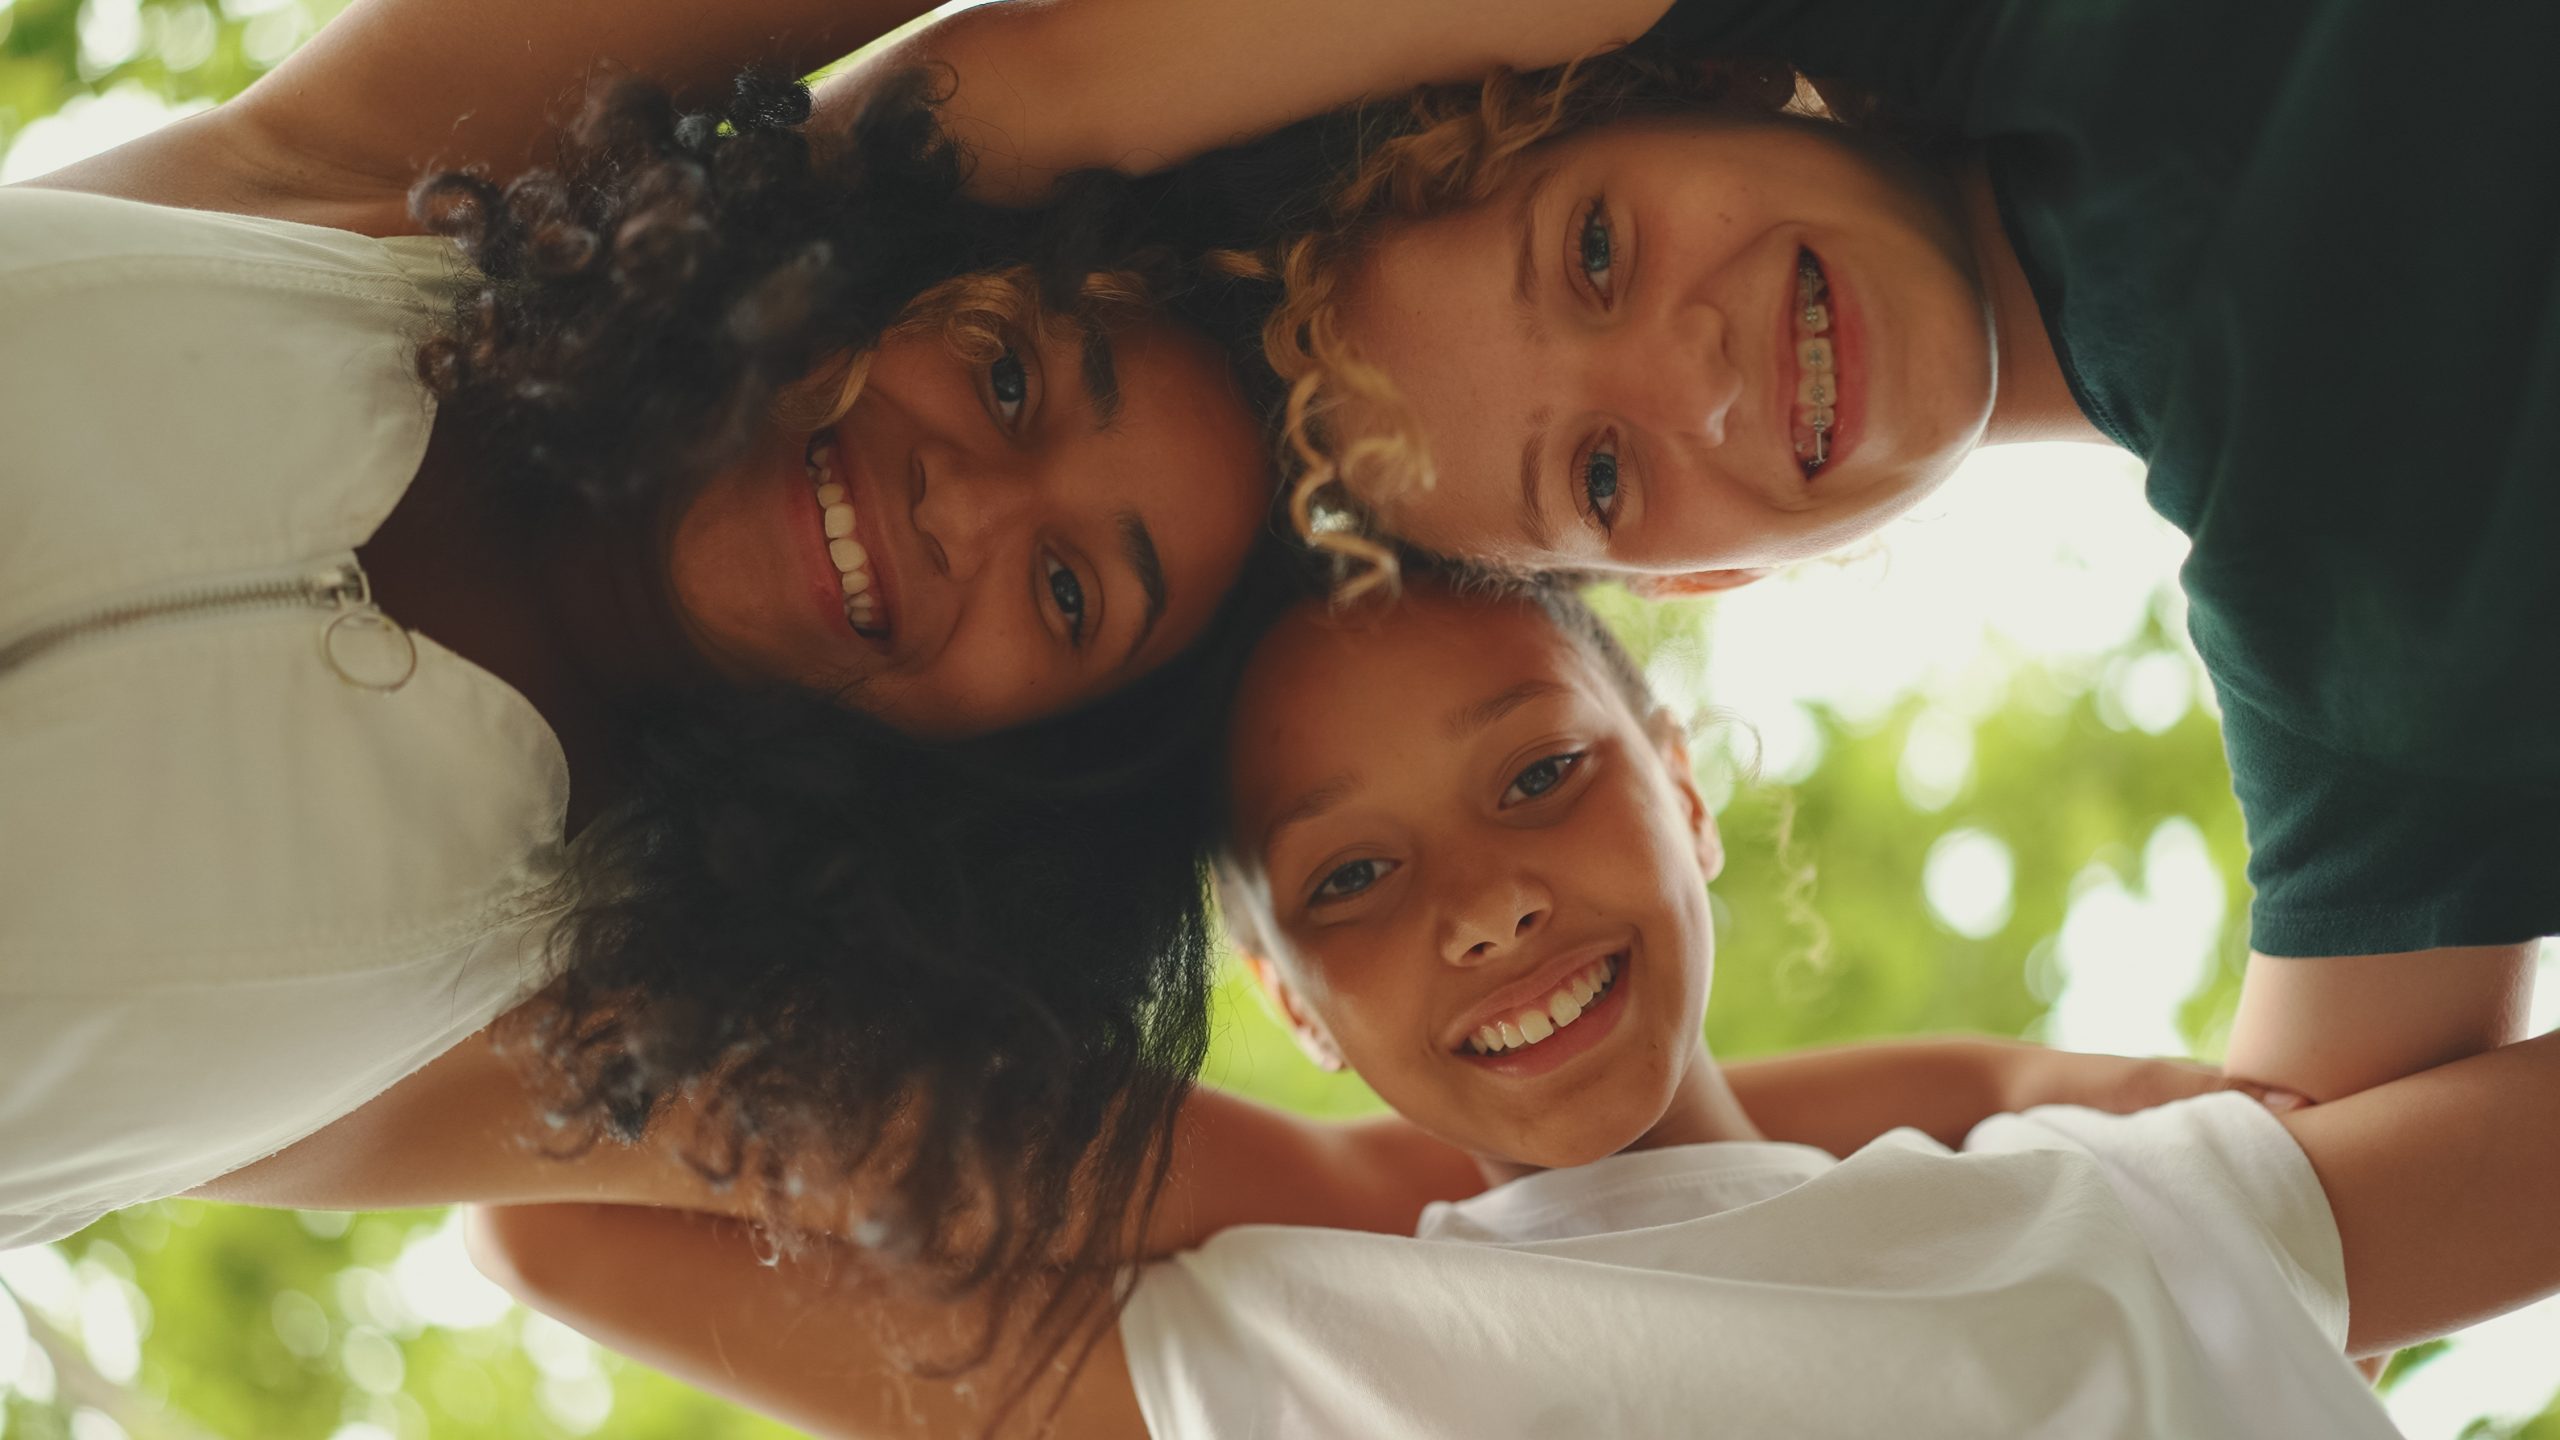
(360,644)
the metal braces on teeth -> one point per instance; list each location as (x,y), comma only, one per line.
(1811,289)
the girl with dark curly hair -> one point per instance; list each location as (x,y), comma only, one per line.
(1687,320)
(741,622)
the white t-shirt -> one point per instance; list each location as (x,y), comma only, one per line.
(2173,1275)
(239,897)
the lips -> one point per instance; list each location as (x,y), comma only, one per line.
(1543,1019)
(855,569)
(1589,1027)
(1532,991)
(1820,397)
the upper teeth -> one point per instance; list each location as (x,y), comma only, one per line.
(853,563)
(1817,384)
(1561,1008)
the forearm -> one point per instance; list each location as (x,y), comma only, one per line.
(467,1129)
(464,1129)
(817,1338)
(1047,86)
(1840,1097)
(2333,1026)
(391,89)
(2441,1185)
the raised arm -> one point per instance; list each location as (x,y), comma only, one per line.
(1840,1097)
(2333,1026)
(390,88)
(2442,1185)
(803,1340)
(1046,86)
(467,1130)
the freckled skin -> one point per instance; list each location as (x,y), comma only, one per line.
(1676,369)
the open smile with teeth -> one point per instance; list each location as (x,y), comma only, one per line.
(862,608)
(1817,377)
(1580,991)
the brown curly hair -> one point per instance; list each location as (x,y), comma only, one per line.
(943,997)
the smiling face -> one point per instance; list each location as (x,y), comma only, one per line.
(1449,829)
(975,546)
(1669,346)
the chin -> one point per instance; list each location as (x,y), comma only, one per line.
(1587,1142)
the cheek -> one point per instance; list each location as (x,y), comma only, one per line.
(986,679)
(711,551)
(1460,514)
(1442,420)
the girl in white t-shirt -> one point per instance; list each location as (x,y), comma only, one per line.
(1467,859)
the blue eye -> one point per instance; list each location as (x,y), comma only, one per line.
(1009,384)
(1598,487)
(1346,881)
(1068,592)
(1542,777)
(1597,247)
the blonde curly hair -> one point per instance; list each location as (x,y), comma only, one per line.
(1349,439)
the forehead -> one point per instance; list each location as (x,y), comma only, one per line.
(1375,694)
(1405,257)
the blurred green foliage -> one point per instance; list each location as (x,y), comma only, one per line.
(186,1321)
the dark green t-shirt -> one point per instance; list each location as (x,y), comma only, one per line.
(2303,259)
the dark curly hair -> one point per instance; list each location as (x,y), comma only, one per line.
(958,990)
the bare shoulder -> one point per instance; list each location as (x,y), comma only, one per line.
(1239,1163)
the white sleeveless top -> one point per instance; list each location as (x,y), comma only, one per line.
(239,894)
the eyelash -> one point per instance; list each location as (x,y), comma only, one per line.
(1052,569)
(996,401)
(1564,764)
(1325,893)
(1597,473)
(1595,222)
(1593,470)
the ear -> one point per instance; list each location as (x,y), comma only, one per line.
(1304,1027)
(1694,582)
(1673,745)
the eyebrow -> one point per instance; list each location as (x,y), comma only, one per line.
(1310,805)
(1525,271)
(1101,373)
(1139,547)
(1457,725)
(1525,276)
(1533,504)
(1468,719)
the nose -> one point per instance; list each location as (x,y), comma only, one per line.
(964,503)
(1675,377)
(1491,916)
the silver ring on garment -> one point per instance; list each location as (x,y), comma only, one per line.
(384,671)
